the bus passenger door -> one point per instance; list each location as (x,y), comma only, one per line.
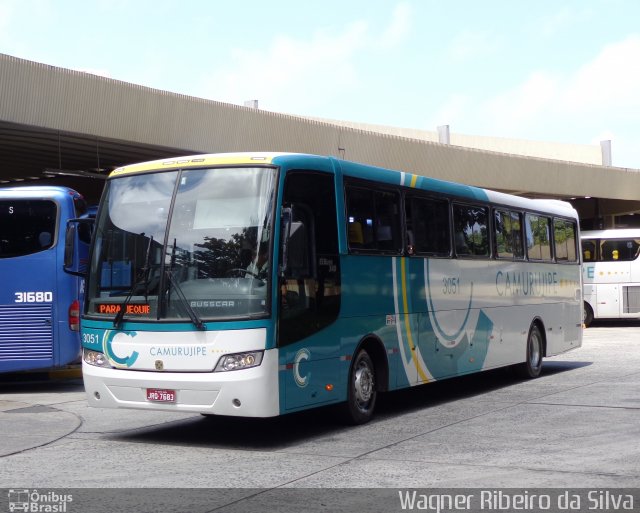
(309,292)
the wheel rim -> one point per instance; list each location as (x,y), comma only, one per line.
(535,349)
(363,385)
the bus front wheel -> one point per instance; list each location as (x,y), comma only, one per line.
(532,367)
(361,394)
(587,314)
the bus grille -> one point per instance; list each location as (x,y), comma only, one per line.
(631,299)
(26,332)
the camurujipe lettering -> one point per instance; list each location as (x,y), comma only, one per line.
(526,283)
(178,350)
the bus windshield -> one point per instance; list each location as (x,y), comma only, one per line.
(173,244)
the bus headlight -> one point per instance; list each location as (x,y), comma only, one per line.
(95,358)
(238,361)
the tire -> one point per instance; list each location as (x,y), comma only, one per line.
(361,392)
(535,346)
(587,314)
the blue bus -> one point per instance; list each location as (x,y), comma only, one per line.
(262,284)
(39,302)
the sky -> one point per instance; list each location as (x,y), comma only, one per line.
(565,71)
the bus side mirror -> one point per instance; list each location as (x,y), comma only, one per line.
(76,245)
(285,232)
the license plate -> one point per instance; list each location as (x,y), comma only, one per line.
(159,395)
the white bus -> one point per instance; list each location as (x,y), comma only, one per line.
(374,280)
(611,274)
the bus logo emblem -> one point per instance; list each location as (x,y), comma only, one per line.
(301,381)
(159,365)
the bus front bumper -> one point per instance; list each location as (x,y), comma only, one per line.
(247,393)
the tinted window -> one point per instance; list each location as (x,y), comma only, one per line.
(373,220)
(612,250)
(589,250)
(470,230)
(564,234)
(538,230)
(428,226)
(619,250)
(508,228)
(27,226)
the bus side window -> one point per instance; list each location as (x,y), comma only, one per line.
(538,237)
(564,236)
(470,230)
(618,250)
(360,218)
(502,222)
(387,223)
(589,250)
(516,234)
(373,220)
(572,240)
(428,226)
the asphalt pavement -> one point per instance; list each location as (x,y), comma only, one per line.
(578,425)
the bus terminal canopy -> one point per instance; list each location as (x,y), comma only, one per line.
(61,123)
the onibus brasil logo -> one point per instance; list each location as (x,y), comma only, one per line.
(38,502)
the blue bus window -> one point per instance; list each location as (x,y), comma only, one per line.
(27,226)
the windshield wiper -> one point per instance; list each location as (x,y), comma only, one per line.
(185,302)
(144,280)
(183,299)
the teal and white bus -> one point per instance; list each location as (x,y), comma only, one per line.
(262,284)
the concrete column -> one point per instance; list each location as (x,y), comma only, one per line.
(443,134)
(605,146)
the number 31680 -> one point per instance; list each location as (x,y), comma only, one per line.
(33,297)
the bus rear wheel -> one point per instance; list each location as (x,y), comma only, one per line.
(532,367)
(587,314)
(361,394)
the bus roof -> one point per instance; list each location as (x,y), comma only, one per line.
(613,233)
(209,159)
(37,191)
(395,177)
